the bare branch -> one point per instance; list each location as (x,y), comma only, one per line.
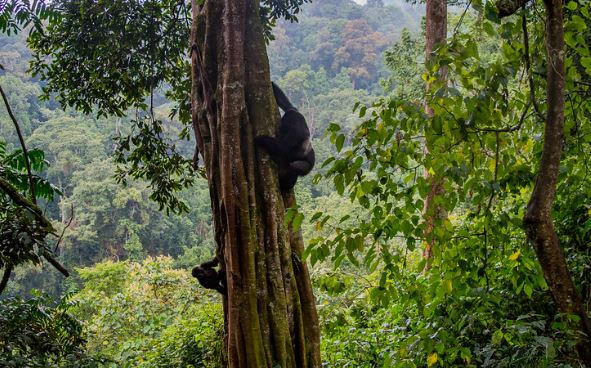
(65,228)
(23,146)
(5,278)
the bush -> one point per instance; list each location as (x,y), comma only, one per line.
(150,315)
(36,334)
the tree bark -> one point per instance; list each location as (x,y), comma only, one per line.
(269,309)
(509,7)
(435,27)
(537,221)
(435,34)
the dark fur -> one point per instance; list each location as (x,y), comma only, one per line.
(209,277)
(291,150)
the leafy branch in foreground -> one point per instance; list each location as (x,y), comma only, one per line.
(23,226)
(16,15)
(145,154)
(35,334)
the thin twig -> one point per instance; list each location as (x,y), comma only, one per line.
(493,191)
(23,146)
(65,228)
(532,91)
(460,21)
(485,260)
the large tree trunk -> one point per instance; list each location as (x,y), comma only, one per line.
(269,308)
(538,217)
(435,34)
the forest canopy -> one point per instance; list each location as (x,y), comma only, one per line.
(447,221)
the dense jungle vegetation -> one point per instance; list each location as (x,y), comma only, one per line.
(129,233)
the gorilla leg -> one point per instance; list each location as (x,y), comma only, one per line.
(287,180)
(300,167)
(273,146)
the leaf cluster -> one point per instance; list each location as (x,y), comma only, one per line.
(478,303)
(145,154)
(23,227)
(147,314)
(271,10)
(16,15)
(37,332)
(111,54)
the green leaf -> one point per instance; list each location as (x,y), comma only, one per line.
(362,111)
(316,216)
(289,216)
(297,222)
(339,182)
(340,142)
(497,337)
(527,289)
(586,62)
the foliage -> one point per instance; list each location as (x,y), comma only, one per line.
(25,106)
(70,144)
(152,158)
(419,331)
(36,333)
(149,315)
(327,38)
(405,62)
(16,15)
(76,150)
(108,217)
(196,340)
(271,10)
(483,301)
(141,45)
(359,52)
(23,228)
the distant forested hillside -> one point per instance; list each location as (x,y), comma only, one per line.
(342,36)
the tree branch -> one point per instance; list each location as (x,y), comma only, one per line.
(5,278)
(59,240)
(22,201)
(509,7)
(23,146)
(55,263)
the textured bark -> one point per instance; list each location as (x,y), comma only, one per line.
(435,26)
(538,217)
(509,7)
(435,34)
(269,310)
(431,214)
